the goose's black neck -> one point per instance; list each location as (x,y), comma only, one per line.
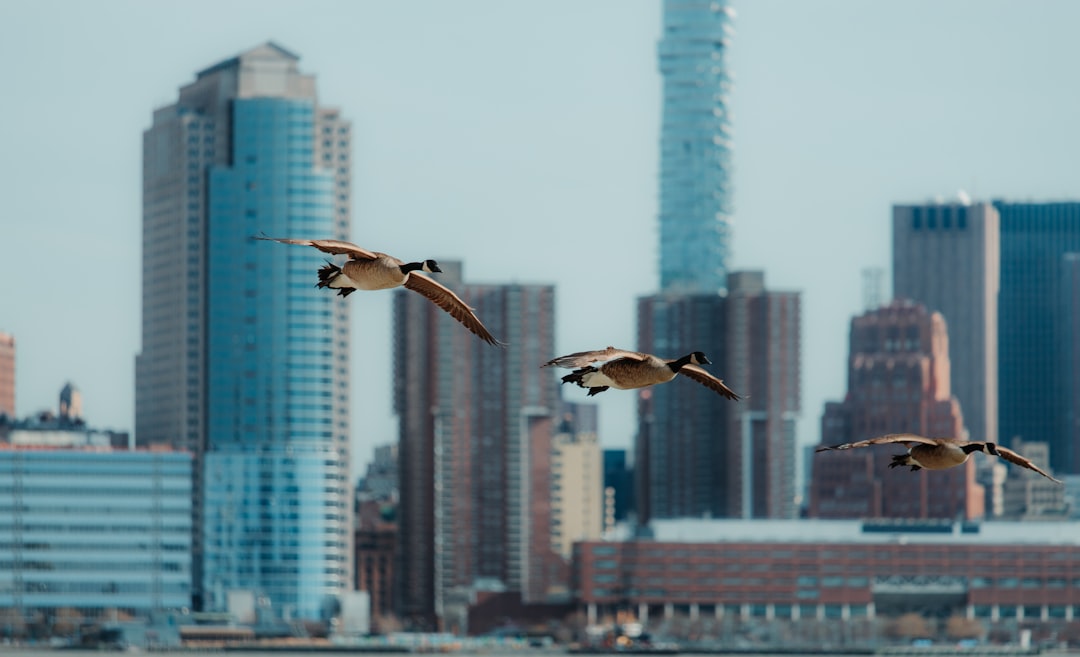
(678,363)
(410,266)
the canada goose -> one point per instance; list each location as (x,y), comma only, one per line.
(631,369)
(939,453)
(371,270)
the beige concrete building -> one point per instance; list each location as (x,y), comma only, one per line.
(577,490)
(947,256)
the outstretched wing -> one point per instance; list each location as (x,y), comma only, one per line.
(335,247)
(1013,457)
(881,440)
(708,380)
(583,358)
(442,297)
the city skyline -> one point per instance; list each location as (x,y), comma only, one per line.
(835,118)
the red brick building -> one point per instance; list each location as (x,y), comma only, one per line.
(835,569)
(375,543)
(898,382)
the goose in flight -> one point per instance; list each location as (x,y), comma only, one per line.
(625,370)
(938,453)
(371,270)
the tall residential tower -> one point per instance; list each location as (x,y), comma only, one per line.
(476,425)
(695,146)
(244,363)
(698,454)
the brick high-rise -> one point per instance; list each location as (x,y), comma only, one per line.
(898,382)
(696,452)
(469,415)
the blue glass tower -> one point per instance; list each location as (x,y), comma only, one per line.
(695,147)
(1037,328)
(244,362)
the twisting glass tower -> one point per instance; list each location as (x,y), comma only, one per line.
(695,146)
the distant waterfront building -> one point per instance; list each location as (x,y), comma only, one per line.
(476,424)
(898,382)
(618,486)
(1038,327)
(695,146)
(1027,495)
(381,482)
(49,429)
(376,549)
(243,362)
(7,375)
(698,454)
(70,403)
(576,489)
(947,257)
(95,529)
(833,570)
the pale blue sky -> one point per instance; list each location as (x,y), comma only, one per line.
(523,138)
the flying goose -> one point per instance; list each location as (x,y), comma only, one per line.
(371,270)
(625,370)
(939,453)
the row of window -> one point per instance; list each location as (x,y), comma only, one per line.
(91,566)
(804,581)
(919,553)
(98,587)
(96,529)
(83,547)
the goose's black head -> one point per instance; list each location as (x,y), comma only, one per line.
(698,358)
(988,448)
(431,266)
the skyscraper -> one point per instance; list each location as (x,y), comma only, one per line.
(1037,327)
(683,427)
(7,375)
(947,256)
(763,364)
(470,416)
(695,146)
(898,382)
(243,362)
(696,452)
(1069,348)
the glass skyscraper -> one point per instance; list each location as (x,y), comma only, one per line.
(244,362)
(695,146)
(1037,327)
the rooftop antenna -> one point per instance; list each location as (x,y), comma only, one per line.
(871,287)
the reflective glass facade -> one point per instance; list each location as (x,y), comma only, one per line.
(1036,325)
(94,530)
(274,526)
(695,146)
(276,469)
(244,361)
